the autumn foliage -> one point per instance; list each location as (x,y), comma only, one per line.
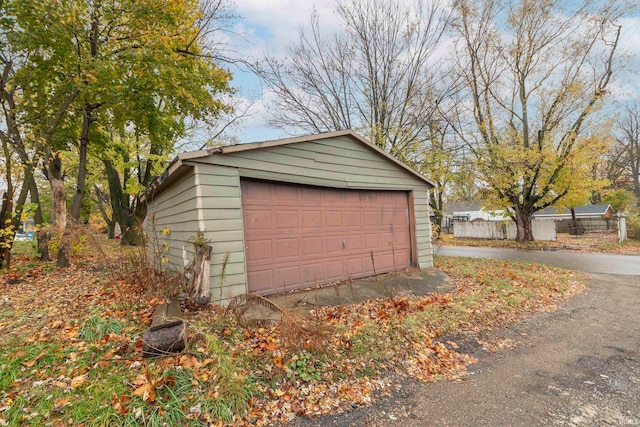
(71,350)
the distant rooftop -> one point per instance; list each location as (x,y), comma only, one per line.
(590,210)
(464,206)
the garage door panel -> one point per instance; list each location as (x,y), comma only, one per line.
(310,197)
(352,219)
(334,270)
(259,250)
(286,248)
(354,267)
(258,219)
(386,218)
(311,246)
(370,218)
(353,242)
(332,218)
(261,281)
(351,197)
(370,241)
(330,196)
(386,239)
(300,236)
(285,192)
(332,244)
(369,198)
(386,261)
(260,192)
(312,274)
(400,256)
(286,219)
(401,240)
(287,277)
(371,263)
(400,218)
(311,219)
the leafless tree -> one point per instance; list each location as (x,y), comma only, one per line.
(377,75)
(626,154)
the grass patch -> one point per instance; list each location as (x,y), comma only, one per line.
(26,248)
(589,242)
(96,327)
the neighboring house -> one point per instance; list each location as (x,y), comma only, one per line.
(291,213)
(588,217)
(28,223)
(468,211)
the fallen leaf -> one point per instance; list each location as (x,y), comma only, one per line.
(147,392)
(78,381)
(34,361)
(61,403)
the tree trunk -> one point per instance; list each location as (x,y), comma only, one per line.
(59,201)
(81,183)
(64,249)
(201,293)
(59,209)
(6,238)
(574,224)
(58,198)
(435,201)
(7,228)
(524,229)
(41,235)
(111,229)
(636,185)
(129,215)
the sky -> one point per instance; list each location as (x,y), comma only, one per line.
(269,26)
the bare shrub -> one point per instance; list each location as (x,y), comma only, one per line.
(296,330)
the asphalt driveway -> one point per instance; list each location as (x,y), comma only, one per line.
(577,366)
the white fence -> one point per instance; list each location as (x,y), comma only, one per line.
(543,229)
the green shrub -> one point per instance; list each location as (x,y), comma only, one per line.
(633,225)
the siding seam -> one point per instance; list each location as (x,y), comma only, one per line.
(200,215)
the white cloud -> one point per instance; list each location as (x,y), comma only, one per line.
(255,126)
(272,25)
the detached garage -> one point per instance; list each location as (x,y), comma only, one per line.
(291,213)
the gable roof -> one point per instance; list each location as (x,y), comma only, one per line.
(464,206)
(586,210)
(179,162)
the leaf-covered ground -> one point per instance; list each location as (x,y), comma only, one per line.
(70,345)
(589,242)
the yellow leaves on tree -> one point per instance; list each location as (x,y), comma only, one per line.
(533,83)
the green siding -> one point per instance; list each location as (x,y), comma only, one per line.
(174,209)
(222,224)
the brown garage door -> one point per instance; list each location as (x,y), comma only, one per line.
(300,236)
